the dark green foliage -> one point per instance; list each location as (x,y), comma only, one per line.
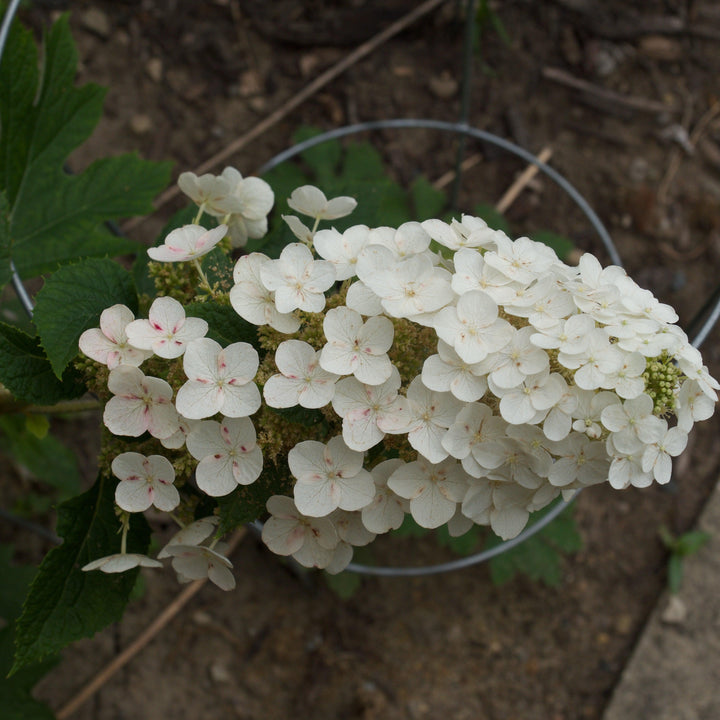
(64,603)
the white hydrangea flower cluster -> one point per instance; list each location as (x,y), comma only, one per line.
(463,377)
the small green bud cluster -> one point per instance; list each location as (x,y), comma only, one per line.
(661,381)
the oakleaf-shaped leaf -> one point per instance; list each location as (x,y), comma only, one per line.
(26,371)
(64,603)
(56,217)
(72,300)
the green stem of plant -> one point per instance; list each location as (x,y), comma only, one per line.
(69,406)
(200,212)
(203,278)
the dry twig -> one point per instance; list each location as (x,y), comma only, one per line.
(511,194)
(611,97)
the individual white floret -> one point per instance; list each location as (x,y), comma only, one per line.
(228,455)
(425,417)
(387,510)
(626,466)
(471,232)
(499,503)
(642,303)
(144,481)
(192,534)
(309,200)
(140,404)
(408,239)
(472,327)
(410,288)
(545,304)
(255,199)
(299,229)
(213,193)
(328,477)
(558,422)
(363,300)
(167,331)
(690,362)
(596,364)
(357,348)
(631,419)
(342,249)
(570,336)
(120,562)
(361,406)
(475,438)
(590,406)
(448,372)
(519,358)
(297,279)
(187,243)
(529,401)
(433,489)
(195,562)
(219,380)
(310,540)
(109,343)
(579,462)
(302,381)
(177,439)
(252,301)
(693,405)
(472,273)
(627,381)
(664,445)
(522,260)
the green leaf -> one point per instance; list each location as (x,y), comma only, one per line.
(691,542)
(463,544)
(46,458)
(16,579)
(675,573)
(72,300)
(247,502)
(26,371)
(345,584)
(559,243)
(56,217)
(323,159)
(218,268)
(362,162)
(225,325)
(539,557)
(64,603)
(496,220)
(5,241)
(18,704)
(37,425)
(428,201)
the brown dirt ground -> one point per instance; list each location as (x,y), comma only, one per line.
(186,79)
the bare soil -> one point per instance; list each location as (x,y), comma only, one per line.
(185,80)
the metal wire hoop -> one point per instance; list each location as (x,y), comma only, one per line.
(464,130)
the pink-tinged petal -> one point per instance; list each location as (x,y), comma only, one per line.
(214,475)
(246,468)
(316,499)
(129,464)
(431,508)
(126,381)
(200,360)
(256,198)
(307,461)
(142,334)
(205,439)
(281,392)
(238,362)
(166,497)
(113,322)
(166,315)
(162,420)
(198,400)
(125,417)
(293,357)
(134,494)
(284,536)
(240,400)
(96,346)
